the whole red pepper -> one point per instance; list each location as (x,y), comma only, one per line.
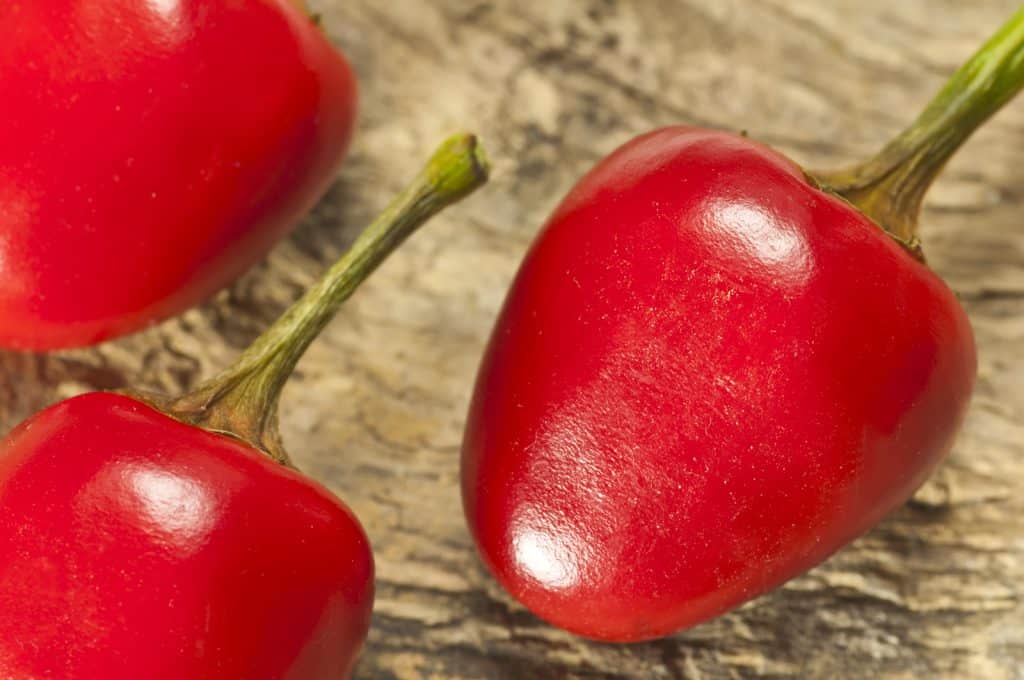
(145,537)
(712,371)
(152,151)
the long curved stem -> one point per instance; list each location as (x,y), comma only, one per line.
(890,186)
(243,400)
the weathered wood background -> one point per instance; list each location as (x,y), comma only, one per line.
(552,85)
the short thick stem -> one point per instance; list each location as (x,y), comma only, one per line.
(890,187)
(242,401)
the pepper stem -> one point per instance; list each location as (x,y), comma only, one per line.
(243,400)
(890,186)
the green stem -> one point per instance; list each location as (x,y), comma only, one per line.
(243,400)
(889,187)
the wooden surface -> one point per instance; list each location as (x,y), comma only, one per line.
(552,85)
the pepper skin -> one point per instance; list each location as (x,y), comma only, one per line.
(708,375)
(151,151)
(135,546)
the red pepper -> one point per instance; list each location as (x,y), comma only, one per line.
(140,544)
(712,371)
(152,151)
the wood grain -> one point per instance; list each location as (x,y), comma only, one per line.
(377,407)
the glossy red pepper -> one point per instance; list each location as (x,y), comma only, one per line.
(140,544)
(710,373)
(151,151)
(136,546)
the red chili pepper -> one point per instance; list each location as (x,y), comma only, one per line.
(711,371)
(136,543)
(151,151)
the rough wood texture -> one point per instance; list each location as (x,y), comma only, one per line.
(552,85)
